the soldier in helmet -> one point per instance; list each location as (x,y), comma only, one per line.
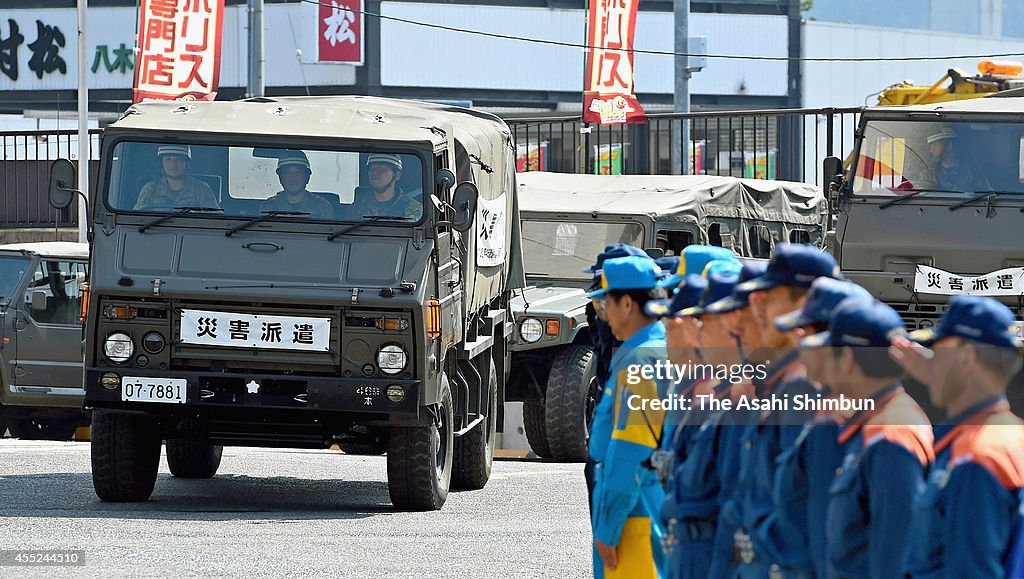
(175,188)
(293,171)
(388,197)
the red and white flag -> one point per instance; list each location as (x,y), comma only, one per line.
(608,96)
(178,52)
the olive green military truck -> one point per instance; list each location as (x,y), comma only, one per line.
(932,204)
(301,272)
(41,339)
(569,219)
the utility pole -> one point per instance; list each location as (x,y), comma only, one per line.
(254,87)
(83,126)
(681,8)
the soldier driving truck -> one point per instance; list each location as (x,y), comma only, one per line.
(41,292)
(240,324)
(569,219)
(931,207)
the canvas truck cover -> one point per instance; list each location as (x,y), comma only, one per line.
(689,197)
(483,145)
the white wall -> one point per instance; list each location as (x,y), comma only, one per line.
(419,56)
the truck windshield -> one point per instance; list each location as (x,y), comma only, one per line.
(947,158)
(564,250)
(11,270)
(277,183)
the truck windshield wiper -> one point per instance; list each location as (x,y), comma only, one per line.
(178,212)
(979,196)
(367,219)
(265,215)
(913,193)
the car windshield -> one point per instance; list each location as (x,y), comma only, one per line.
(277,183)
(564,250)
(12,268)
(949,159)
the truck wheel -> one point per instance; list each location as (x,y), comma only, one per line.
(572,390)
(420,460)
(536,429)
(193,457)
(43,428)
(474,450)
(125,456)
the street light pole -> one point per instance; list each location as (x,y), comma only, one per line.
(83,126)
(681,9)
(256,57)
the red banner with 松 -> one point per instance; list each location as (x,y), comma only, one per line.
(178,55)
(608,97)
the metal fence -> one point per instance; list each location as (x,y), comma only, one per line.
(786,144)
(25,171)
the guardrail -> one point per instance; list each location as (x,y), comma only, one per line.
(787,144)
(25,158)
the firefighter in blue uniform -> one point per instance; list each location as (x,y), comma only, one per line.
(690,509)
(781,289)
(805,468)
(887,445)
(965,518)
(625,431)
(709,468)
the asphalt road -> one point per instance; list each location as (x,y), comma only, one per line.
(291,513)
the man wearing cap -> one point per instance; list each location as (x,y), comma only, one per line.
(175,188)
(601,337)
(965,517)
(886,444)
(804,469)
(625,430)
(945,171)
(783,288)
(293,171)
(386,196)
(690,509)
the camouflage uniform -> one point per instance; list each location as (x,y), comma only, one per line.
(402,205)
(195,193)
(317,207)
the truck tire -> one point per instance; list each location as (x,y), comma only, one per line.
(474,450)
(43,428)
(193,457)
(536,429)
(125,456)
(569,404)
(420,460)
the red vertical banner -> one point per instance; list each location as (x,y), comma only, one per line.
(608,96)
(178,55)
(340,31)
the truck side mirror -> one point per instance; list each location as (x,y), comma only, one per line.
(62,183)
(464,202)
(831,171)
(38,301)
(654,252)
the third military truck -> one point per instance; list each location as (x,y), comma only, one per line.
(569,219)
(300,272)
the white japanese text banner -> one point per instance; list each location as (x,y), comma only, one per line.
(1004,282)
(255,331)
(178,50)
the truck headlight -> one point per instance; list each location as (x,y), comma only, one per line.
(118,347)
(391,359)
(531,330)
